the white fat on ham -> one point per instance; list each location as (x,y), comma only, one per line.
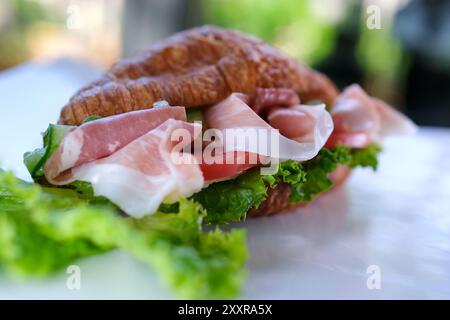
(355,111)
(233,113)
(100,138)
(142,175)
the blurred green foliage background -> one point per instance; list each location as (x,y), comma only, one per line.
(310,30)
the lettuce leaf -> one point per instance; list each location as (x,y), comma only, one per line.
(45,229)
(90,118)
(194,114)
(317,171)
(366,157)
(35,160)
(311,178)
(85,191)
(230,200)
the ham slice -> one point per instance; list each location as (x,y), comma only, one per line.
(128,158)
(392,121)
(356,112)
(100,138)
(309,129)
(302,123)
(145,173)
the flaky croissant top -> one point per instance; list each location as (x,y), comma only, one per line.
(197,67)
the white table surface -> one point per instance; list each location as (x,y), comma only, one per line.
(397,218)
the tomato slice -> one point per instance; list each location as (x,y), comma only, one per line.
(219,171)
(348,139)
(216,171)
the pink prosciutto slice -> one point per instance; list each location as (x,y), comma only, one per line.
(147,171)
(233,116)
(300,123)
(392,121)
(100,138)
(356,114)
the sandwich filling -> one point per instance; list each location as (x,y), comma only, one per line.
(226,159)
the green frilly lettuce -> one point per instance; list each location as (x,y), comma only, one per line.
(44,229)
(230,200)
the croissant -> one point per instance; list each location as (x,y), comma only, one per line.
(197,67)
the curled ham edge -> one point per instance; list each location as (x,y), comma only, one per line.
(234,113)
(360,119)
(111,134)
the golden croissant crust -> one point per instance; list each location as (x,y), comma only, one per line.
(197,67)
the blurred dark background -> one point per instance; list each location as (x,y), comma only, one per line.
(404,58)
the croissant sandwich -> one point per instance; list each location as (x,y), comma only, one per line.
(218,117)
